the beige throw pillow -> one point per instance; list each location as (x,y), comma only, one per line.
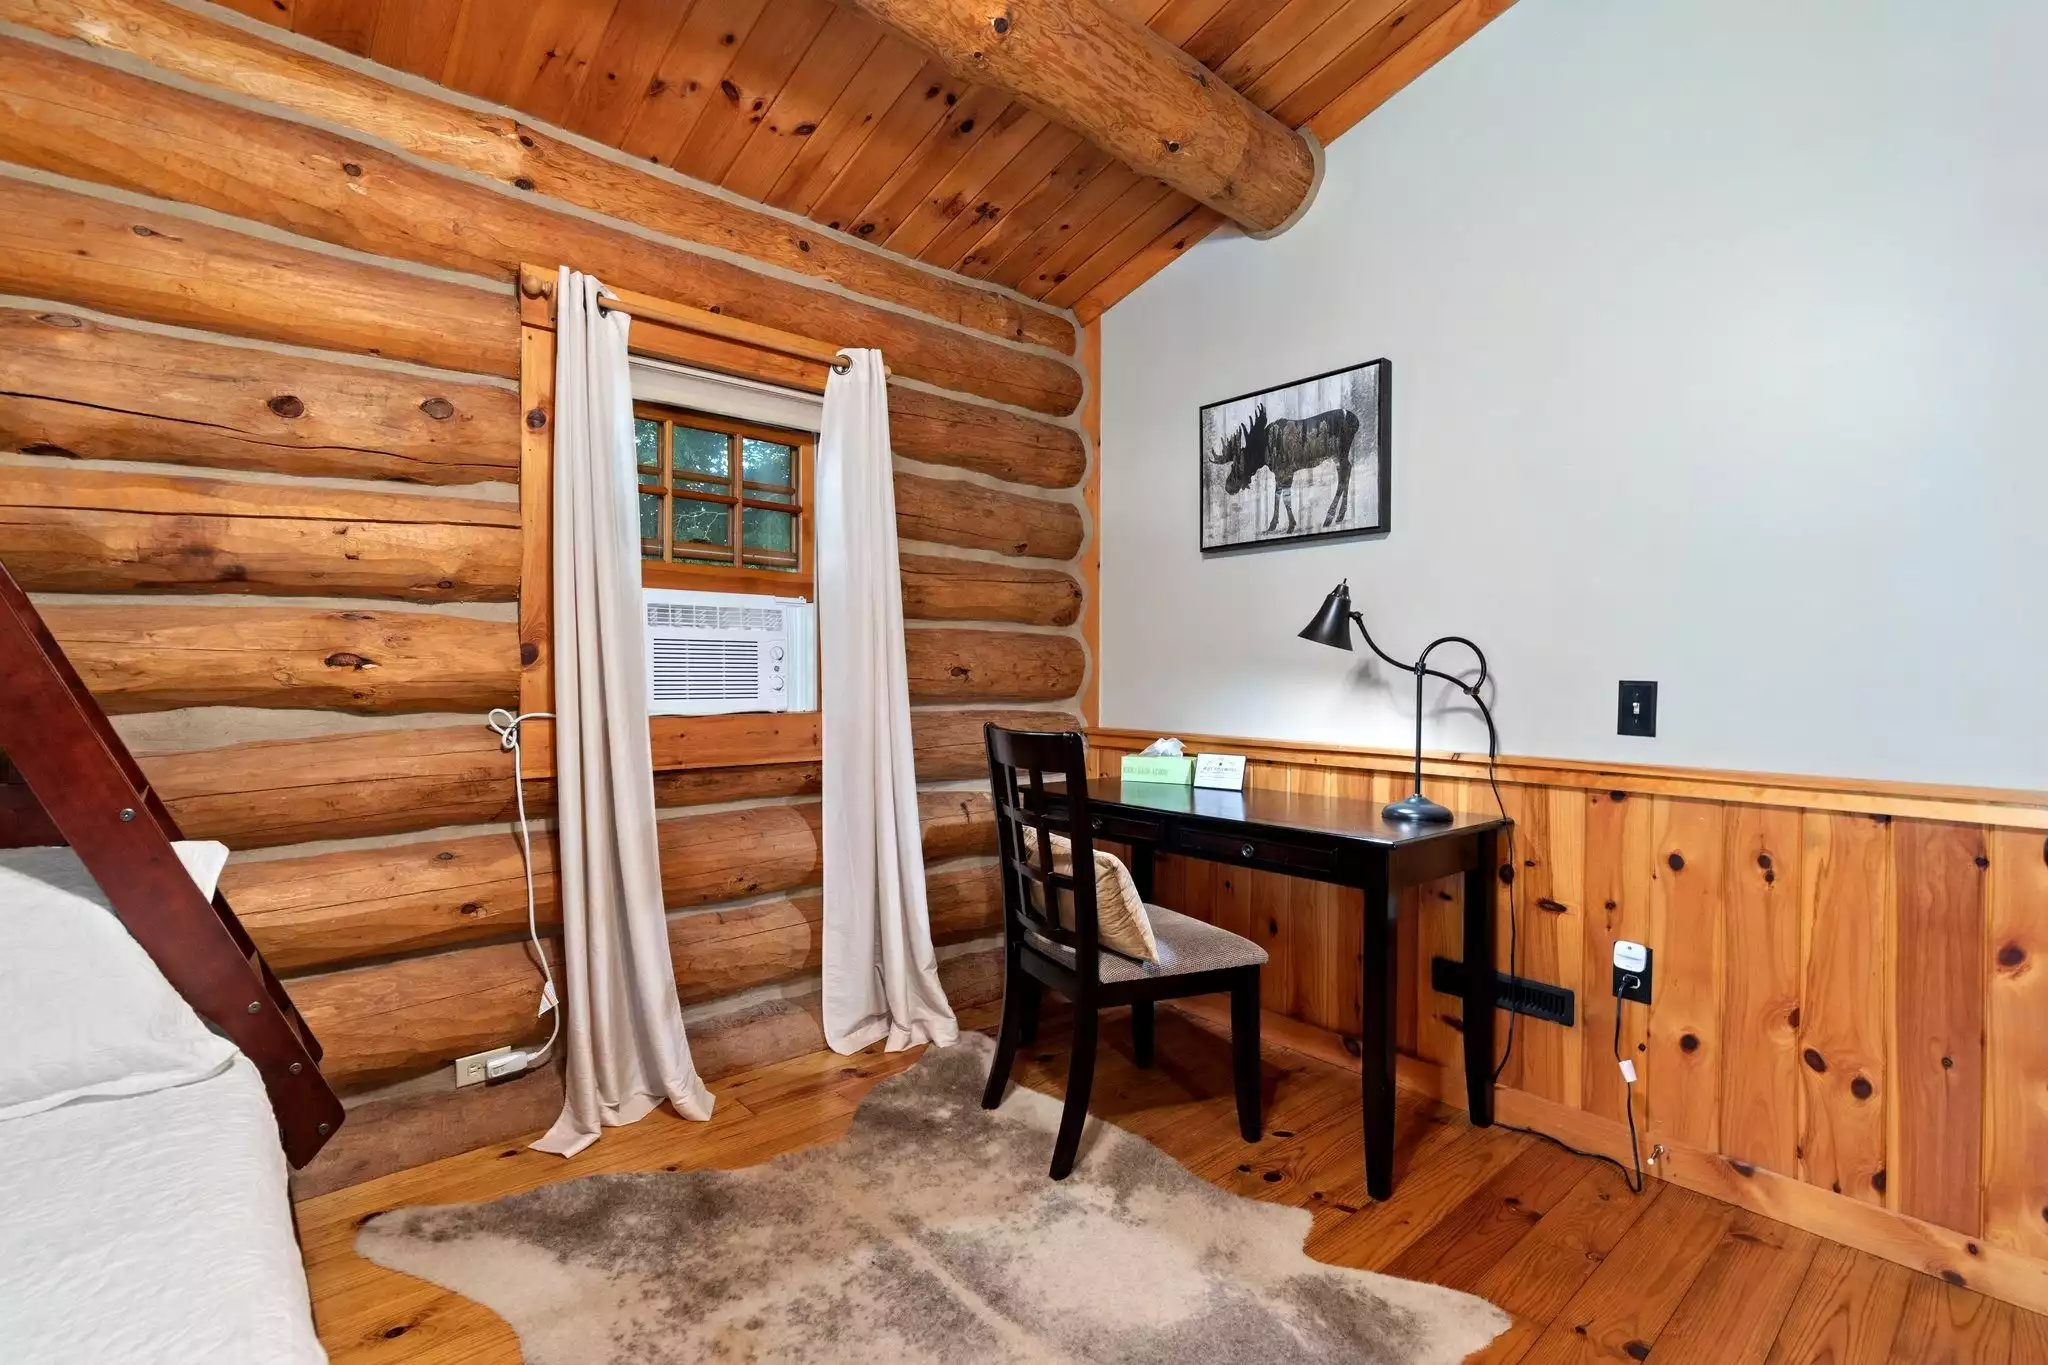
(1120,920)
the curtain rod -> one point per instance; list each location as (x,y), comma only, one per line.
(708,323)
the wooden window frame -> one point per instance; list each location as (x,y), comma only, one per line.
(684,336)
(712,575)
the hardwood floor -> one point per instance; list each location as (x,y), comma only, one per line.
(1589,1271)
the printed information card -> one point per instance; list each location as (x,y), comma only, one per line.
(1220,772)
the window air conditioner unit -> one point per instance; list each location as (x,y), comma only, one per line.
(715,653)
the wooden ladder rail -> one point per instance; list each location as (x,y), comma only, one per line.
(79,785)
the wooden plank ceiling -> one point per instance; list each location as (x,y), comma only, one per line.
(817,109)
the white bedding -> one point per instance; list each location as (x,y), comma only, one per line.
(151,1229)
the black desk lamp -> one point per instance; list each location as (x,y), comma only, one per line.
(1332,627)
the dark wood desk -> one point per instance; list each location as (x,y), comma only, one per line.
(1346,843)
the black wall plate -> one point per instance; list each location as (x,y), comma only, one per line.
(1636,711)
(1639,993)
(1516,994)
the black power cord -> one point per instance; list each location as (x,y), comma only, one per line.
(1514,876)
(1628,1081)
(1635,1180)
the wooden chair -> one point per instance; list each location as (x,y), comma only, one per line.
(1050,937)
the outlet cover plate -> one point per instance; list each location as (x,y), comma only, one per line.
(470,1070)
(1639,993)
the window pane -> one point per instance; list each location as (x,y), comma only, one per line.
(647,447)
(765,530)
(768,495)
(650,526)
(705,523)
(767,461)
(702,486)
(703,452)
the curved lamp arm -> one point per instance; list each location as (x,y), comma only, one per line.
(1421,665)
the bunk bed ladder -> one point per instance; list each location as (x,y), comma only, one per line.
(66,777)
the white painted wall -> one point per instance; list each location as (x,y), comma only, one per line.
(1720,343)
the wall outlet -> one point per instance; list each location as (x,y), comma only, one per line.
(1632,962)
(473,1069)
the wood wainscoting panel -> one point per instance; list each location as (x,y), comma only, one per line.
(1939,1058)
(1618,839)
(1845,1004)
(1686,905)
(1850,990)
(1760,1067)
(2016,1046)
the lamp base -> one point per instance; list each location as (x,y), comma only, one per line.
(1418,809)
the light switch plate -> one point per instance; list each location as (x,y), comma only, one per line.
(1637,712)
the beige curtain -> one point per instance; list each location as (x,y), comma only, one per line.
(881,977)
(626,1048)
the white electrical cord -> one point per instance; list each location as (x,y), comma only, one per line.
(505,724)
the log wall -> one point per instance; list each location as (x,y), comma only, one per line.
(260,448)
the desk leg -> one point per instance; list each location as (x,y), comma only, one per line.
(1141,870)
(1377,1034)
(1479,973)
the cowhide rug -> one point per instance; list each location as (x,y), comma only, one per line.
(930,1233)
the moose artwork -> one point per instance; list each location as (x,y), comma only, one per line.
(1299,461)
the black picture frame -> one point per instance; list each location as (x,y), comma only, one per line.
(1212,436)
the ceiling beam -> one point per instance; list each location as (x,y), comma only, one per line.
(1116,82)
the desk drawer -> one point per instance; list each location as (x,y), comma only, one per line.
(1251,849)
(1125,829)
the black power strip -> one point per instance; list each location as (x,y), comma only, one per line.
(1518,994)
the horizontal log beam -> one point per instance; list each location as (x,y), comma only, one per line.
(956,512)
(81,119)
(384,1023)
(78,248)
(950,744)
(331,909)
(1103,73)
(80,530)
(77,386)
(269,793)
(938,588)
(385,662)
(92,530)
(375,662)
(516,155)
(347,786)
(992,665)
(1007,445)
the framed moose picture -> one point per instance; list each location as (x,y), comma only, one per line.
(1299,461)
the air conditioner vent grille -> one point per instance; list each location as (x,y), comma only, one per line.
(705,670)
(703,616)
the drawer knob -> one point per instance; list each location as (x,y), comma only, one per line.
(1248,850)
(1095,823)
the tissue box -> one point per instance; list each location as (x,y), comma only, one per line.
(1177,772)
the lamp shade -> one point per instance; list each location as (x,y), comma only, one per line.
(1332,625)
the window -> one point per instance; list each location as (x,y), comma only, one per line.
(721,500)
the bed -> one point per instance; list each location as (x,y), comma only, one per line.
(144,1215)
(152,1228)
(155,1080)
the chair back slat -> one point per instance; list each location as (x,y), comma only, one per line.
(1039,785)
